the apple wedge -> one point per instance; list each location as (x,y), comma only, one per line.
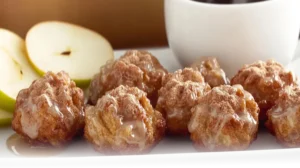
(15,70)
(5,118)
(55,46)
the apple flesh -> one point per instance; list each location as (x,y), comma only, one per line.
(5,118)
(55,46)
(15,70)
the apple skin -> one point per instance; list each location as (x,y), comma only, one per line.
(5,122)
(6,102)
(82,83)
(5,118)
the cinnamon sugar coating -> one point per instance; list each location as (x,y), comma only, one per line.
(264,80)
(226,118)
(180,92)
(213,74)
(50,111)
(135,69)
(284,117)
(123,121)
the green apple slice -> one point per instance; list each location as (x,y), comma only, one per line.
(55,46)
(5,118)
(15,70)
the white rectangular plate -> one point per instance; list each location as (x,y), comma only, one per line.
(262,149)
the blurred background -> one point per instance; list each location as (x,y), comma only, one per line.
(125,23)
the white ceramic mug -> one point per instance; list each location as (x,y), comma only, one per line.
(236,34)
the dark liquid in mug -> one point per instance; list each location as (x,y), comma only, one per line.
(229,1)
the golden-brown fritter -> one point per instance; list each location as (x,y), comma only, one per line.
(284,117)
(180,92)
(50,111)
(226,118)
(123,121)
(135,69)
(264,80)
(213,74)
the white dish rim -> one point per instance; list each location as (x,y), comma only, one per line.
(280,157)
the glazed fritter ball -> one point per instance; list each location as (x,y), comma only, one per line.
(284,117)
(213,74)
(180,92)
(226,118)
(50,111)
(123,121)
(264,80)
(135,69)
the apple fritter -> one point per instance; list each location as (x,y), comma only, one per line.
(213,74)
(264,80)
(50,111)
(181,90)
(284,118)
(226,118)
(135,69)
(123,121)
